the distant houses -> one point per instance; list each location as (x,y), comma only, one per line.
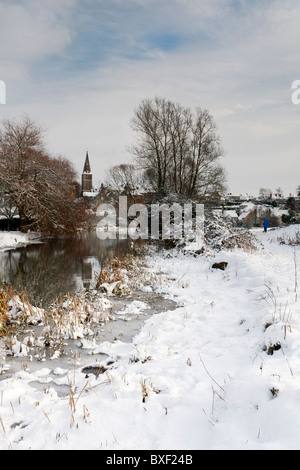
(242,210)
(247,211)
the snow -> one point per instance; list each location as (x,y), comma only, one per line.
(199,377)
(135,308)
(10,240)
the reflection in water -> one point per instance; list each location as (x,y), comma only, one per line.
(57,267)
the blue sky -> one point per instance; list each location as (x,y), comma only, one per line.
(80,67)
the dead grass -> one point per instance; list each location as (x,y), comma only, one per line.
(3,310)
(112,270)
(71,317)
(125,269)
(7,293)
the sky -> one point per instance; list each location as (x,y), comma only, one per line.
(79,68)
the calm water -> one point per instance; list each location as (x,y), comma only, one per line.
(57,267)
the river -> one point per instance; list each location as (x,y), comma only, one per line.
(57,267)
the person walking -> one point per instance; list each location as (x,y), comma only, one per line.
(266,225)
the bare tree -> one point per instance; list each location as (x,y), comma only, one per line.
(279,192)
(40,187)
(6,206)
(152,124)
(123,176)
(265,193)
(178,150)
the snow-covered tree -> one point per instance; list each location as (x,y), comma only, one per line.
(40,187)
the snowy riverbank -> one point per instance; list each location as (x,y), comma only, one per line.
(222,371)
(11,240)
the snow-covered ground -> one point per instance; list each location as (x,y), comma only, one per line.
(10,240)
(222,371)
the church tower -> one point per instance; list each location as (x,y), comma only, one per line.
(87,176)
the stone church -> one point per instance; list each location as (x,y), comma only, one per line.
(87,176)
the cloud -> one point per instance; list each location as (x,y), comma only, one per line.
(80,67)
(33,29)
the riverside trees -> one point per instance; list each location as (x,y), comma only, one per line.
(178,150)
(40,188)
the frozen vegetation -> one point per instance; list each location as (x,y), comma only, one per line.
(221,371)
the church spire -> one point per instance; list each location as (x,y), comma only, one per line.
(87,166)
(87,177)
